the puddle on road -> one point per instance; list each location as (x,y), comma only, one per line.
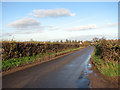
(83,81)
(96,79)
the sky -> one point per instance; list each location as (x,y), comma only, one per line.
(48,21)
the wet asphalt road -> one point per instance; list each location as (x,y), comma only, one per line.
(65,72)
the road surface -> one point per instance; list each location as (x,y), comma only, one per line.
(65,72)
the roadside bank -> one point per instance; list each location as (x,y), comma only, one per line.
(99,80)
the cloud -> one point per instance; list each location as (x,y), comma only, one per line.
(39,29)
(29,24)
(90,37)
(5,34)
(112,24)
(87,27)
(52,12)
(24,23)
(91,26)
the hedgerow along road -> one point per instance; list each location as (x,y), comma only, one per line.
(69,71)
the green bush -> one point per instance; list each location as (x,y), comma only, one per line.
(23,49)
(106,57)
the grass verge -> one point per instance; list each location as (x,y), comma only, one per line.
(18,62)
(107,68)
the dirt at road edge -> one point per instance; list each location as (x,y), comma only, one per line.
(98,80)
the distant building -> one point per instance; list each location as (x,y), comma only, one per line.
(44,42)
(93,43)
(80,43)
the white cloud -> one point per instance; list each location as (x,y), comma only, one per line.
(24,23)
(5,34)
(52,12)
(36,30)
(91,26)
(87,27)
(90,37)
(112,24)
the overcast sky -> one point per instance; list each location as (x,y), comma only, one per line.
(44,21)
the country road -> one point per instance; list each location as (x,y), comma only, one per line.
(64,72)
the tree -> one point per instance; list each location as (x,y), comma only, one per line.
(95,39)
(57,41)
(69,41)
(66,40)
(61,41)
(75,41)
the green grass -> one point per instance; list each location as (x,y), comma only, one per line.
(16,62)
(107,68)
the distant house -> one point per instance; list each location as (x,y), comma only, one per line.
(93,43)
(43,42)
(80,43)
